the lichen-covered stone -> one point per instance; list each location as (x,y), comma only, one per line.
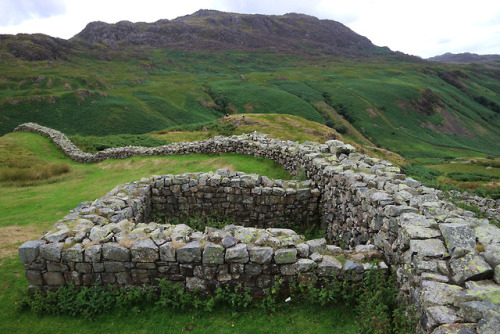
(28,251)
(474,311)
(73,254)
(469,267)
(428,248)
(144,251)
(438,294)
(51,252)
(458,235)
(317,245)
(488,234)
(101,233)
(456,329)
(303,250)
(237,254)
(329,266)
(57,236)
(112,251)
(93,253)
(213,254)
(195,283)
(189,253)
(284,256)
(438,315)
(167,252)
(299,267)
(261,255)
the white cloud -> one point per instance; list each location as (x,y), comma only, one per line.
(14,12)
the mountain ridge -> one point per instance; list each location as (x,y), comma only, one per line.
(214,30)
(465,57)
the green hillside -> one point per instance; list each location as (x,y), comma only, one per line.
(416,109)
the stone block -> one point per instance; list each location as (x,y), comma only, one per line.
(438,294)
(195,283)
(316,245)
(253,269)
(428,248)
(353,270)
(101,233)
(51,252)
(84,268)
(73,254)
(458,235)
(57,236)
(144,250)
(56,266)
(140,276)
(213,254)
(237,254)
(114,267)
(53,278)
(470,267)
(112,251)
(261,255)
(29,251)
(34,277)
(329,266)
(93,253)
(189,253)
(299,267)
(167,252)
(438,315)
(284,256)
(303,250)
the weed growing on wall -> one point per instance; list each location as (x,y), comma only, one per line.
(375,300)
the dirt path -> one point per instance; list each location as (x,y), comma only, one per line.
(11,237)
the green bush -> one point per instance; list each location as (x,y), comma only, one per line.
(94,144)
(422,173)
(214,126)
(470,177)
(378,309)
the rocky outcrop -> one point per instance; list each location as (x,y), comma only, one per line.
(444,257)
(213,30)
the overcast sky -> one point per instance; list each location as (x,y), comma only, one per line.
(424,28)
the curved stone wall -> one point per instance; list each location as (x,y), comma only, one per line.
(447,261)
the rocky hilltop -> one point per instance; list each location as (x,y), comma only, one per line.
(466,57)
(214,30)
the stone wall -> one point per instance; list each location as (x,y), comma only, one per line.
(248,199)
(447,260)
(113,241)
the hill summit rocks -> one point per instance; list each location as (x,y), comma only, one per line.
(214,30)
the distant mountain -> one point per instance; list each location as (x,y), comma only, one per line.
(214,30)
(464,58)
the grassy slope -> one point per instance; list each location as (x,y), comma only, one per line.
(143,91)
(278,126)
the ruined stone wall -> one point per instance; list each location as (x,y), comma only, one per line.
(248,199)
(447,260)
(113,239)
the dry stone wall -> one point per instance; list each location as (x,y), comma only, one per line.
(447,260)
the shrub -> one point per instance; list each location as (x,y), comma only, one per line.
(94,144)
(36,172)
(470,177)
(422,173)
